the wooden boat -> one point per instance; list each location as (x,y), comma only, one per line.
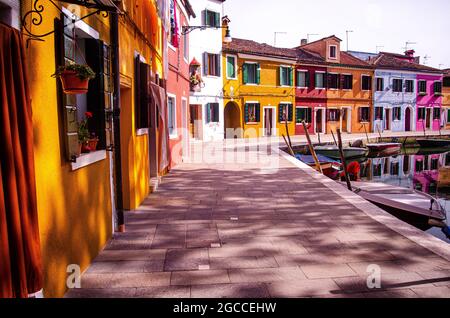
(409,205)
(384,149)
(332,151)
(433,143)
(330,167)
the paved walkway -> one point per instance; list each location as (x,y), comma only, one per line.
(257,229)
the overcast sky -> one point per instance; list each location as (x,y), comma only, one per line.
(387,23)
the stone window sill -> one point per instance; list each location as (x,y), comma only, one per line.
(87,159)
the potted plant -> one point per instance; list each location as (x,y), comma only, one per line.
(74,78)
(83,133)
(92,142)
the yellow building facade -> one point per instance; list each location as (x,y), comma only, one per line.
(75,195)
(259,92)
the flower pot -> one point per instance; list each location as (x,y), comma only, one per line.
(72,84)
(195,88)
(85,148)
(79,150)
(92,143)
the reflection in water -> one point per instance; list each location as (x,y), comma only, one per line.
(419,171)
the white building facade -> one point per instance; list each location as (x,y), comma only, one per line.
(206,102)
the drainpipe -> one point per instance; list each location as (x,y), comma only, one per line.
(120,222)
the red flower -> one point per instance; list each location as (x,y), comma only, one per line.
(88,114)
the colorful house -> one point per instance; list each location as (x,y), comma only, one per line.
(348,84)
(259,92)
(206,117)
(310,99)
(178,81)
(429,101)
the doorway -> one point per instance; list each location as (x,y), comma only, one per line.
(346,119)
(269,121)
(320,120)
(195,121)
(408,119)
(232,116)
(428,118)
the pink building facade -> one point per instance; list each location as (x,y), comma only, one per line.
(429,102)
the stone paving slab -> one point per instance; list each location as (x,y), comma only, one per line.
(244,230)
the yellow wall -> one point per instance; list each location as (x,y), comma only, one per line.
(354,98)
(135,156)
(267,93)
(446,103)
(74,207)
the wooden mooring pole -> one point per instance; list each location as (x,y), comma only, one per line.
(311,148)
(365,130)
(334,138)
(344,163)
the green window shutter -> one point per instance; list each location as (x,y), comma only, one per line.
(297,116)
(245,73)
(208,113)
(280,113)
(205,14)
(217,19)
(258,74)
(280,76)
(231,72)
(290,112)
(246,113)
(291,77)
(315,80)
(205,63)
(218,59)
(258,113)
(307,80)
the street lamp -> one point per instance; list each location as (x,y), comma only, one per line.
(190,28)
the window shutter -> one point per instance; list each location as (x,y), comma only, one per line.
(246,115)
(205,63)
(230,67)
(216,112)
(291,77)
(208,112)
(280,76)
(329,80)
(217,57)
(217,19)
(205,17)
(369,79)
(258,112)
(307,80)
(290,112)
(325,80)
(309,112)
(315,80)
(280,113)
(258,74)
(245,73)
(297,115)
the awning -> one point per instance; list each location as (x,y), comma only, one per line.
(104,5)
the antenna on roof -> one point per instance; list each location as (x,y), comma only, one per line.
(425,59)
(275,37)
(378,47)
(309,34)
(440,66)
(407,43)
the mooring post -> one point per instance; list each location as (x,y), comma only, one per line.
(311,148)
(334,138)
(344,163)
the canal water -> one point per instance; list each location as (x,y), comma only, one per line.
(419,169)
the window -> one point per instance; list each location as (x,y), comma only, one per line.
(422,87)
(378,113)
(171,113)
(285,111)
(419,165)
(421,113)
(377,170)
(251,73)
(347,81)
(395,168)
(333,114)
(364,114)
(252,112)
(447,81)
(285,76)
(397,85)
(212,113)
(303,114)
(396,113)
(434,164)
(333,81)
(174,23)
(320,80)
(436,113)
(437,88)
(211,18)
(409,86)
(302,79)
(211,64)
(231,67)
(448,115)
(366,83)
(380,84)
(333,51)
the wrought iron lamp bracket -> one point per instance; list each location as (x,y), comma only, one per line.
(38,9)
(189,29)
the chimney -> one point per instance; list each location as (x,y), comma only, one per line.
(410,55)
(303,42)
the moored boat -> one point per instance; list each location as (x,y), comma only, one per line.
(332,151)
(384,149)
(330,167)
(433,143)
(409,205)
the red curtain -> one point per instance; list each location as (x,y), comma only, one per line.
(20,256)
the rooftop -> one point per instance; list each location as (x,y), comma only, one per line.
(399,61)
